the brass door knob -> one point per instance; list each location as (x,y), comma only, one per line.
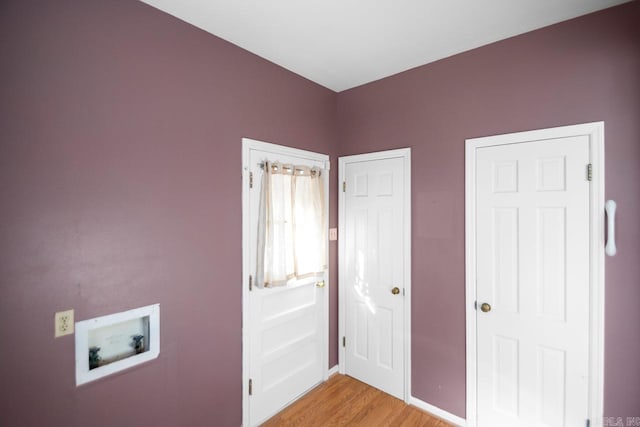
(320,284)
(485,307)
(395,290)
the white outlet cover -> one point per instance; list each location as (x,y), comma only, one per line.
(63,323)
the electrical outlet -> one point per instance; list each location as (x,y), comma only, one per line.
(64,323)
(333,234)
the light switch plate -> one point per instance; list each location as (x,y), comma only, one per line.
(63,323)
(333,234)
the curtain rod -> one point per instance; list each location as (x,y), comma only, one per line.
(313,171)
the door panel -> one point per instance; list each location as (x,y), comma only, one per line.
(533,269)
(374,252)
(286,330)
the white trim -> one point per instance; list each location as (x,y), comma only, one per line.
(437,412)
(595,132)
(597,274)
(404,153)
(334,370)
(323,162)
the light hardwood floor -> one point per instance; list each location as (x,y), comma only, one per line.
(344,401)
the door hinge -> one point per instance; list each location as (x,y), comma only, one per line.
(475,305)
(344,341)
(344,186)
(589,172)
(588,422)
(250,386)
(250,282)
(250,179)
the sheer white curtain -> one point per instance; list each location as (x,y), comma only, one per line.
(292,224)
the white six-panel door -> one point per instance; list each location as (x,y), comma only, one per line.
(374,278)
(535,272)
(533,283)
(285,328)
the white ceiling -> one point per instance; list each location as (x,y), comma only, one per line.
(341,44)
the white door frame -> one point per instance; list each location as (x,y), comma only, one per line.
(595,132)
(247,146)
(405,154)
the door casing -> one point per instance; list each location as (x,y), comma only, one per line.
(247,146)
(404,153)
(595,132)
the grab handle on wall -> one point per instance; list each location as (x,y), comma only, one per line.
(610,208)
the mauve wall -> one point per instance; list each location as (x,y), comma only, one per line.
(583,70)
(120,186)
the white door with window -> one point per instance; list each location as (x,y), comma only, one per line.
(375,269)
(533,292)
(285,343)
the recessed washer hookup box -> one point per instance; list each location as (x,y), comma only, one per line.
(112,343)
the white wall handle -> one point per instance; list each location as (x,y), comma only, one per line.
(610,248)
